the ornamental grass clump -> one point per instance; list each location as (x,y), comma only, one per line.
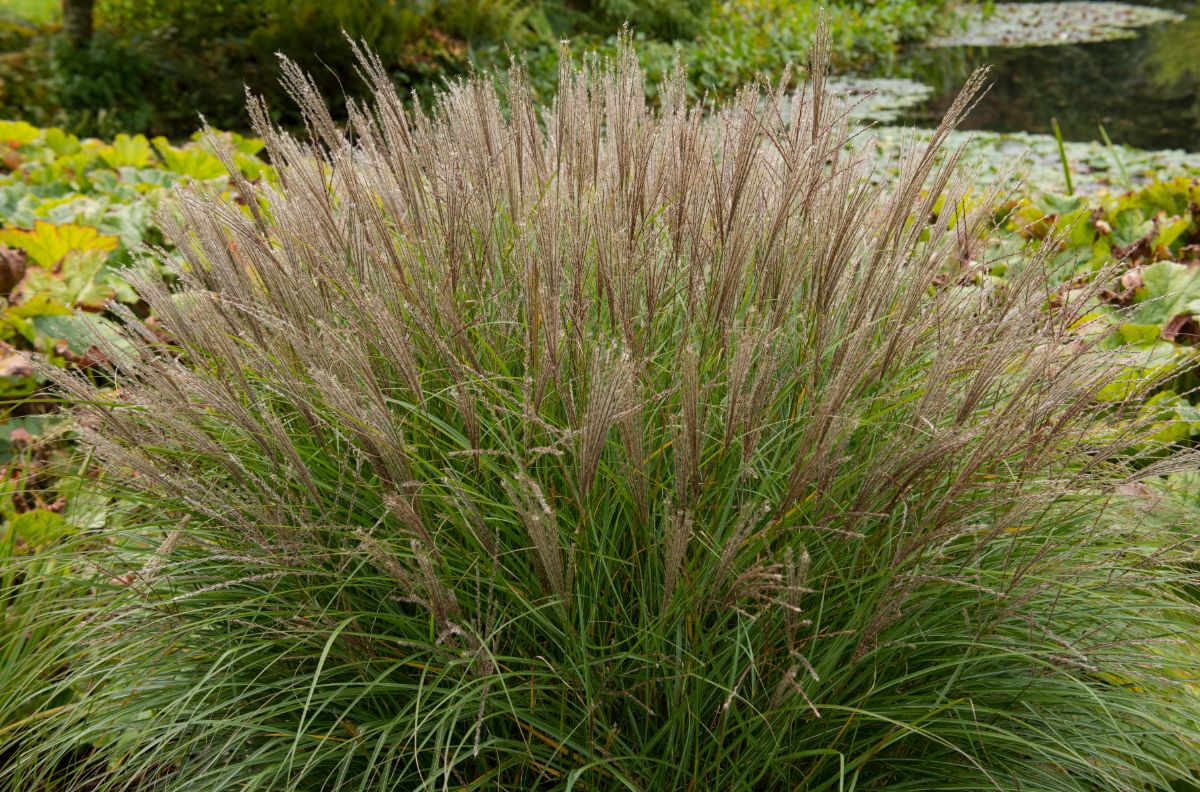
(595,446)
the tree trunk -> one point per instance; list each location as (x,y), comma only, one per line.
(77,21)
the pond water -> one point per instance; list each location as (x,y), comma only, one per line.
(1145,89)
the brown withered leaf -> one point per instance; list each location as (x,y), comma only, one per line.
(1130,282)
(1137,252)
(1133,279)
(12,268)
(91,357)
(15,364)
(1182,329)
(1190,255)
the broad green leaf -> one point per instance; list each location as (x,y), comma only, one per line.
(1168,289)
(1060,204)
(1083,233)
(76,282)
(1101,254)
(1163,196)
(39,527)
(194,161)
(18,132)
(1138,333)
(80,330)
(128,221)
(1130,226)
(37,305)
(147,177)
(126,151)
(86,509)
(47,243)
(1169,233)
(1185,482)
(1175,420)
(1095,321)
(60,142)
(1145,365)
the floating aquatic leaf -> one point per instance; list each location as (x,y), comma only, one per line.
(879,99)
(1049,24)
(1040,168)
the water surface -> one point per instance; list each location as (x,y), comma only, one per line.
(1144,90)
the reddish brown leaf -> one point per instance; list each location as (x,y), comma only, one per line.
(12,268)
(1182,329)
(15,364)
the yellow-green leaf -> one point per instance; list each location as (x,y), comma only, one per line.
(126,151)
(39,527)
(19,132)
(47,243)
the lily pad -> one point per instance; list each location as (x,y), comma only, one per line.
(1049,24)
(1094,166)
(879,99)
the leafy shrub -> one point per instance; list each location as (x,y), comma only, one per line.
(1143,248)
(155,65)
(747,37)
(660,19)
(73,213)
(635,450)
(126,82)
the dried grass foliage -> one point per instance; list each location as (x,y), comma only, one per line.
(684,370)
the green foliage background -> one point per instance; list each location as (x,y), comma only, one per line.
(155,64)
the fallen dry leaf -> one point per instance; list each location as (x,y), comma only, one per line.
(15,364)
(12,268)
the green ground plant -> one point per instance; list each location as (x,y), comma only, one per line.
(72,214)
(36,592)
(747,37)
(1143,248)
(628,449)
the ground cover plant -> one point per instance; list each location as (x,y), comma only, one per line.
(1143,247)
(71,214)
(597,446)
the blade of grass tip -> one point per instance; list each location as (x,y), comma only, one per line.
(1126,182)
(1062,155)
